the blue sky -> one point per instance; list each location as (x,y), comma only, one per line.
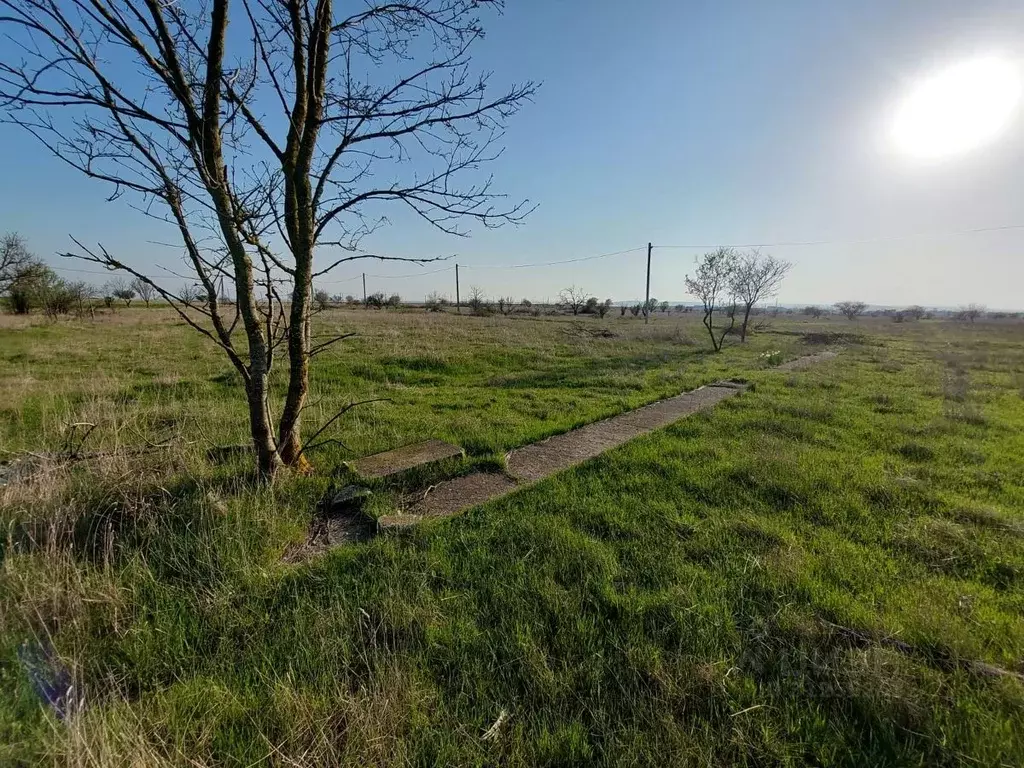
(679,123)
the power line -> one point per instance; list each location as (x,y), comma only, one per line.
(411,274)
(493,266)
(555,263)
(685,246)
(850,242)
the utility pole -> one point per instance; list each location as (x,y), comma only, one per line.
(458,302)
(364,281)
(647,296)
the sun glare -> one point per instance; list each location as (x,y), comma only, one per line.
(958,109)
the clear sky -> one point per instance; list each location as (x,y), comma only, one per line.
(684,123)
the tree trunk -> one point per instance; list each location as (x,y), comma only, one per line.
(708,323)
(290,429)
(267,459)
(746,319)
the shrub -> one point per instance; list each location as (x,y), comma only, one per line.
(29,287)
(394,301)
(435,302)
(58,299)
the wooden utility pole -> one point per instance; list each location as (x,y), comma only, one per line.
(647,296)
(364,281)
(458,302)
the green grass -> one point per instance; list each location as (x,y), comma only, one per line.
(679,600)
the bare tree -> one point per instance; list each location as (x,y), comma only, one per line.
(265,146)
(711,284)
(144,290)
(852,309)
(754,278)
(79,292)
(814,311)
(121,289)
(971,312)
(477,300)
(321,300)
(603,308)
(506,305)
(15,257)
(573,298)
(916,312)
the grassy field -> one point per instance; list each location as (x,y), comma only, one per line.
(814,573)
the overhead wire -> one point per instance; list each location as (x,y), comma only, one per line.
(861,241)
(682,246)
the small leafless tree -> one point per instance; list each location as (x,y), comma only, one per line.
(144,290)
(603,308)
(477,299)
(121,289)
(506,305)
(190,296)
(636,309)
(573,299)
(711,283)
(15,257)
(814,311)
(755,277)
(264,147)
(971,312)
(916,312)
(852,309)
(79,292)
(321,300)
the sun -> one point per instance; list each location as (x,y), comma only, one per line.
(959,108)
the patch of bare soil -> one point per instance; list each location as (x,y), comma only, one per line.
(329,531)
(581,329)
(806,362)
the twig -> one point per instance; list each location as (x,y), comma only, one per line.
(310,444)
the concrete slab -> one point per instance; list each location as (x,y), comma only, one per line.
(405,458)
(537,461)
(528,464)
